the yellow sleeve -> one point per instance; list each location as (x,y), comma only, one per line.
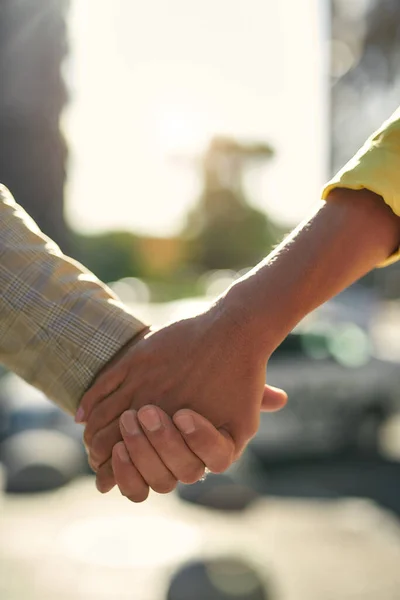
(375,167)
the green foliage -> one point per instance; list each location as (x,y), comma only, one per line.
(230,234)
(225,231)
(111,256)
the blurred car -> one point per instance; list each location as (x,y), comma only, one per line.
(340,394)
(41,447)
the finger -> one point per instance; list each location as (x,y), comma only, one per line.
(130,482)
(91,465)
(105,385)
(100,450)
(273,399)
(143,455)
(215,448)
(107,410)
(105,480)
(169,445)
(110,379)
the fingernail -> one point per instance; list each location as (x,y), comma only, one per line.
(80,416)
(185,423)
(130,423)
(123,454)
(150,419)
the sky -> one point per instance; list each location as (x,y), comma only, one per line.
(152,81)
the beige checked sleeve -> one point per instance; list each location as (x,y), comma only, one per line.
(59,325)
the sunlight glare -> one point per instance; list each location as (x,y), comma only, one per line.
(122,542)
(181,131)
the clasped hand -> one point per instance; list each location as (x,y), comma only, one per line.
(181,399)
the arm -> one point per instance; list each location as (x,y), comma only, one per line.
(356,230)
(59,325)
(343,240)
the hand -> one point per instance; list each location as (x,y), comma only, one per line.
(178,450)
(203,363)
(161,458)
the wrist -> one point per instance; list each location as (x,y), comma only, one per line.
(253,321)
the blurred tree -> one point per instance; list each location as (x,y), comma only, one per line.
(225,231)
(33,153)
(111,256)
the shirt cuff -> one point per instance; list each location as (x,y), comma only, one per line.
(347,183)
(375,167)
(113,327)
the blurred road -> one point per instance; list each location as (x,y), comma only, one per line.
(74,544)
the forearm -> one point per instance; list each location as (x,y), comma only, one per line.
(343,240)
(59,325)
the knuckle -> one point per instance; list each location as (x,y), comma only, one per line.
(247,431)
(251,430)
(220,464)
(93,465)
(191,474)
(164,485)
(97,446)
(218,467)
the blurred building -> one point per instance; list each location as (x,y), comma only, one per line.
(365,51)
(33,153)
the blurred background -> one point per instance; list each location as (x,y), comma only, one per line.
(168,146)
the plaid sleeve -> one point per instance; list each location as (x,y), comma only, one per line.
(375,167)
(59,325)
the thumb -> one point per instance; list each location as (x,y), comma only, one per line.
(214,447)
(273,399)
